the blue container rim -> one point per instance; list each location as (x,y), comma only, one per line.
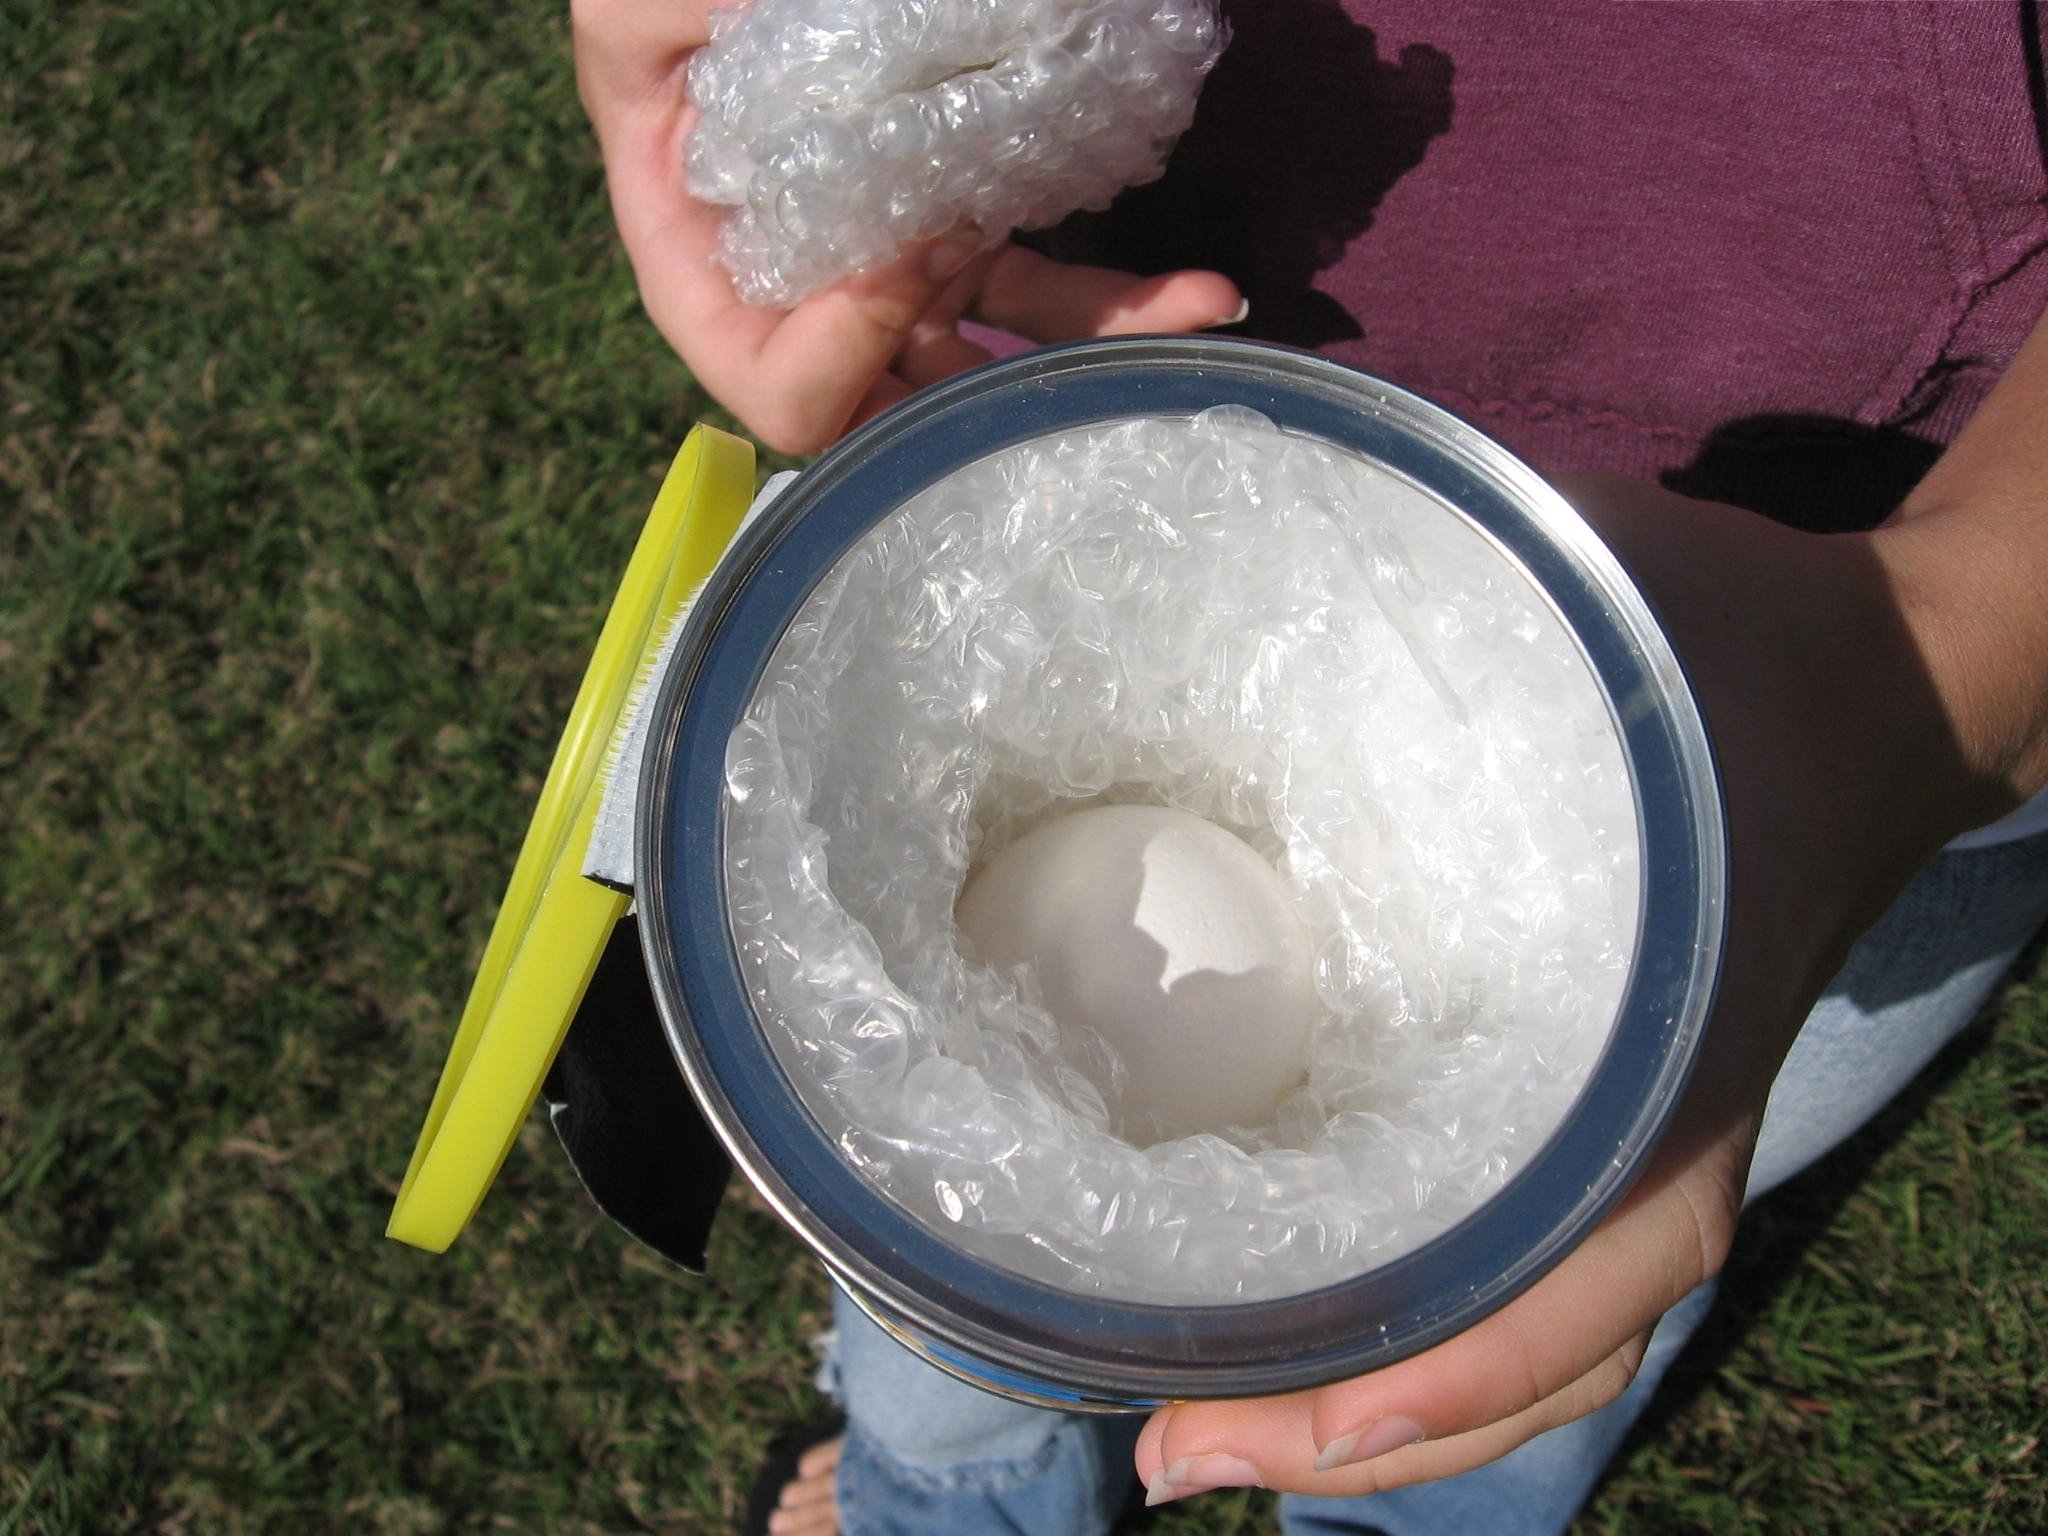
(1022,1336)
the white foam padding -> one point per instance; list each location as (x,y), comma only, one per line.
(838,130)
(1269,632)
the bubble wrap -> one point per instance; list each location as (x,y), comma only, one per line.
(838,130)
(1258,628)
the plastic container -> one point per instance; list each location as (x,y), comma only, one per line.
(986,1323)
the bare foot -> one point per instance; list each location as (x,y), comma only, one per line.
(808,1503)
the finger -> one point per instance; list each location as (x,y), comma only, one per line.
(819,369)
(1633,1268)
(1042,300)
(936,351)
(1288,1466)
(886,391)
(797,377)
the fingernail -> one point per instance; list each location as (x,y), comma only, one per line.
(1160,1491)
(1199,1474)
(1389,1434)
(953,253)
(1244,309)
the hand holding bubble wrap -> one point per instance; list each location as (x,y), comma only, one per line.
(799,377)
(838,132)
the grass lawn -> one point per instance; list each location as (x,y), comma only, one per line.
(327,416)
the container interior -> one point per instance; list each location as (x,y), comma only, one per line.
(1282,637)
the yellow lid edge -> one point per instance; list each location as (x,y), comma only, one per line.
(553,925)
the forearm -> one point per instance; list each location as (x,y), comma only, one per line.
(1968,553)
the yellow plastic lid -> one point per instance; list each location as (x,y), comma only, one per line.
(554,923)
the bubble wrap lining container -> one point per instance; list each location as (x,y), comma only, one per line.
(838,130)
(1264,630)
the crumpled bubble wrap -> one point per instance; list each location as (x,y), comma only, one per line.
(1264,630)
(839,130)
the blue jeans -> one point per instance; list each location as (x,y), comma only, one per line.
(927,1455)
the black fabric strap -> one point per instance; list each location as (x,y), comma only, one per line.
(626,1118)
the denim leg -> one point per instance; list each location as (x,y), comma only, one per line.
(929,1455)
(1909,987)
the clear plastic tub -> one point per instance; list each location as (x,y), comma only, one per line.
(1028,1311)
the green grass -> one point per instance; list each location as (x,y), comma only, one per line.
(327,416)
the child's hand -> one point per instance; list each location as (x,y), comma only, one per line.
(798,378)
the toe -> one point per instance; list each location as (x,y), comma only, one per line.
(805,1491)
(821,1459)
(818,1520)
(807,1506)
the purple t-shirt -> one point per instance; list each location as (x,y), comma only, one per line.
(1774,252)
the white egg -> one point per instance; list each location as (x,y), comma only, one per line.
(1174,941)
